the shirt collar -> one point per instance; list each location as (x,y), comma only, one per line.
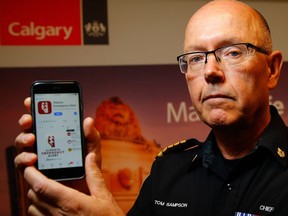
(274,139)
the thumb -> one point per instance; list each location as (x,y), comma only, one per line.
(93,139)
(94,178)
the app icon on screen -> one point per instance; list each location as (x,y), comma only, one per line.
(44,107)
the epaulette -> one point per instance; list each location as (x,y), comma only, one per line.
(179,147)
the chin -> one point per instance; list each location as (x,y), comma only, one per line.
(218,124)
(217,117)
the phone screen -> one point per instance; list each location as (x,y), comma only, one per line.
(58,130)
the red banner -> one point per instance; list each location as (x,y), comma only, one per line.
(52,22)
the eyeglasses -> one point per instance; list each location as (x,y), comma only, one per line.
(226,56)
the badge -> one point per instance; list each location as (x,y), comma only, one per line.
(280,152)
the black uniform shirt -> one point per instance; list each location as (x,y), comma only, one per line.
(194,179)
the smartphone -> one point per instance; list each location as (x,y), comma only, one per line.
(57,114)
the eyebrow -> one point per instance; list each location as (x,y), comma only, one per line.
(225,42)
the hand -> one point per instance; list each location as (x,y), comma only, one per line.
(52,198)
(25,140)
(49,197)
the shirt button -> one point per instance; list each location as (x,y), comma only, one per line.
(229,187)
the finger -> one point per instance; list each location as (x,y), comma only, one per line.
(47,189)
(39,183)
(34,211)
(27,104)
(91,133)
(93,139)
(25,122)
(40,207)
(25,159)
(52,197)
(98,189)
(94,178)
(24,140)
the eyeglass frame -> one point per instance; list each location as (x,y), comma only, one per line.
(248,45)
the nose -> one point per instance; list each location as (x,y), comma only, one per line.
(213,71)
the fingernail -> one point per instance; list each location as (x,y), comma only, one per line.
(25,138)
(92,157)
(22,119)
(29,157)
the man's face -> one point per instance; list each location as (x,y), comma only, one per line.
(232,95)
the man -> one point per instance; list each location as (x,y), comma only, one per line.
(241,168)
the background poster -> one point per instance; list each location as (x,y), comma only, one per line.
(157,94)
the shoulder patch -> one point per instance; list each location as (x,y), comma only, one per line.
(179,147)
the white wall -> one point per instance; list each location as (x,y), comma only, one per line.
(140,32)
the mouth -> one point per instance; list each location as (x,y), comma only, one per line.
(217,97)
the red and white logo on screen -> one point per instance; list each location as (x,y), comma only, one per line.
(44,107)
(51,141)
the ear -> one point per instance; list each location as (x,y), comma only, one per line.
(275,65)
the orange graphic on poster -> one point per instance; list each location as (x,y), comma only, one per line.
(127,154)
